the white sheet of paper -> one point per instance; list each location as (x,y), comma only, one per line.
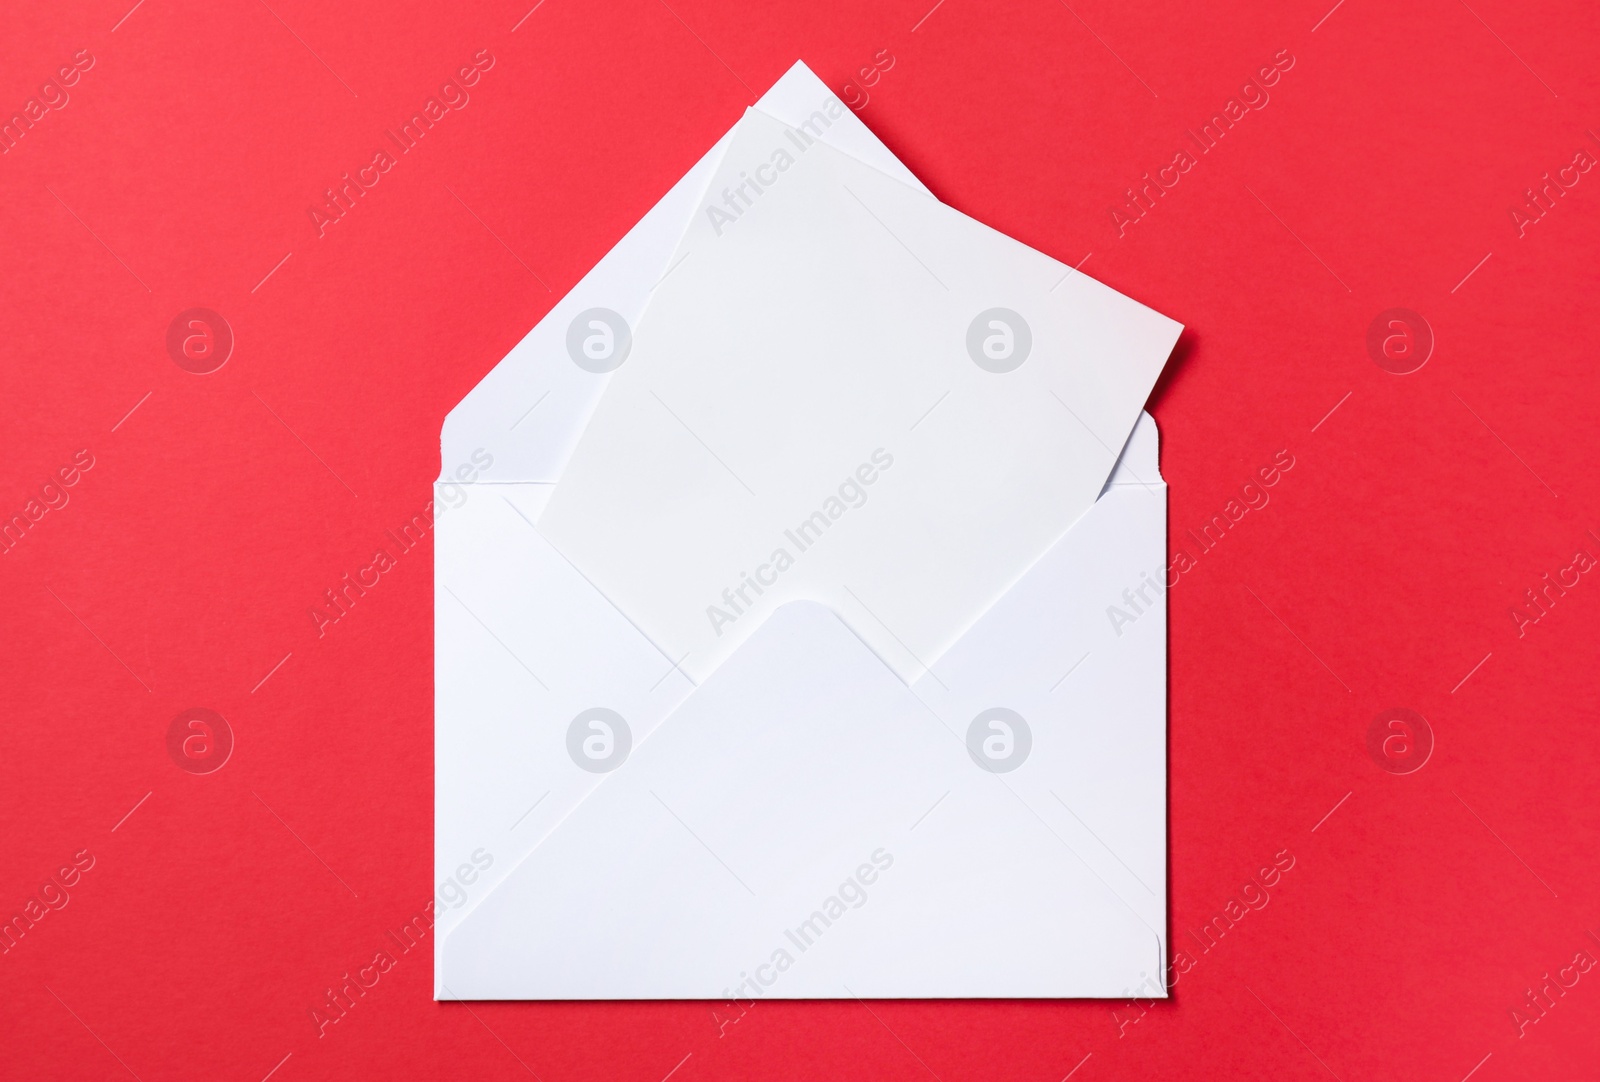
(846,392)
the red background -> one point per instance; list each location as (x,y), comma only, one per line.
(1385,568)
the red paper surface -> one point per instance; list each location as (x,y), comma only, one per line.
(1389,165)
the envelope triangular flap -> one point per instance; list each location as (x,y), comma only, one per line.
(801,827)
(527,412)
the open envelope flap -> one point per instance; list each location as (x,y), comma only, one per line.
(526,414)
(802,827)
(1094,698)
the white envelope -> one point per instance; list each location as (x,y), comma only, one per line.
(803,824)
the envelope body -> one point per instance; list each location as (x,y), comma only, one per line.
(806,817)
